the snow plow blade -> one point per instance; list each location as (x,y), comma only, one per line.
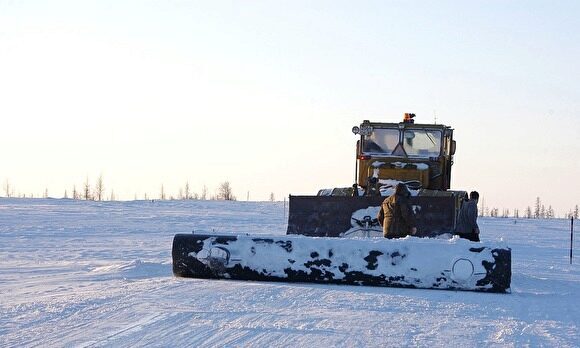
(455,264)
(341,216)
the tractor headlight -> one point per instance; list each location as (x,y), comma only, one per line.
(355,130)
(366,129)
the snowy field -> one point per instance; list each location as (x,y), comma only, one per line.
(92,274)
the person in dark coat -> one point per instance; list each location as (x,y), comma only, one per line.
(467,220)
(396,214)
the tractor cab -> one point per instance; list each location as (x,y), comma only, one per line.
(420,155)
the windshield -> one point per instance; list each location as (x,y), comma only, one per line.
(422,143)
(381,141)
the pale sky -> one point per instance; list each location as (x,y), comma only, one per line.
(264,93)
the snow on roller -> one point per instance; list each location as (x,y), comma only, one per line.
(454,264)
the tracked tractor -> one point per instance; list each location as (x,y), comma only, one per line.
(334,236)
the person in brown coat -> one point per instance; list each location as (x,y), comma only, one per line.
(396,215)
(467,220)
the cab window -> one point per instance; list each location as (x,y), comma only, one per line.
(422,143)
(381,141)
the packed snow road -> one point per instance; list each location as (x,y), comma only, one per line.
(92,274)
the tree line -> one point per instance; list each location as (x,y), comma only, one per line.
(97,192)
(224,191)
(539,211)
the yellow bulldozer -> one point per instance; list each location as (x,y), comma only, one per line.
(419,155)
(334,236)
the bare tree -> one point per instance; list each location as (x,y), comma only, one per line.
(65,194)
(528,212)
(112,197)
(75,193)
(576,212)
(45,195)
(537,208)
(162,195)
(87,190)
(7,188)
(99,188)
(186,190)
(225,192)
(272,198)
(203,193)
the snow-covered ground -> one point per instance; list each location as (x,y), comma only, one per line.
(91,274)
